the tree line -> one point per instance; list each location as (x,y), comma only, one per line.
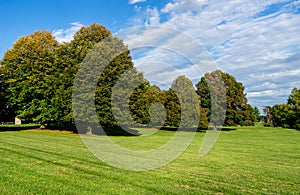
(37,82)
(285,115)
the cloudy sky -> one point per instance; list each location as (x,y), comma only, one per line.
(256,41)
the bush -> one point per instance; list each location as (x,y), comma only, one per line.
(268,124)
(248,123)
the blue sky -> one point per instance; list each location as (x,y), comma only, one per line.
(256,41)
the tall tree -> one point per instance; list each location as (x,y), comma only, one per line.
(238,111)
(182,104)
(28,69)
(104,72)
(69,57)
(173,107)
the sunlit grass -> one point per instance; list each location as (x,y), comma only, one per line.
(245,160)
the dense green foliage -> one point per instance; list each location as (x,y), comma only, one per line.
(6,109)
(28,73)
(238,111)
(189,102)
(287,114)
(38,75)
(247,160)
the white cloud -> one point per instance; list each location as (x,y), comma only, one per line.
(266,85)
(154,18)
(135,1)
(268,93)
(66,35)
(255,41)
(184,5)
(163,53)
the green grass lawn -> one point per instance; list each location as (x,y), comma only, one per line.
(243,161)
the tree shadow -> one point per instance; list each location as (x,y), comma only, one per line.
(63,127)
(4,128)
(117,131)
(198,129)
(110,130)
(228,129)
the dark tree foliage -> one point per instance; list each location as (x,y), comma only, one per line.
(294,101)
(7,111)
(287,115)
(282,115)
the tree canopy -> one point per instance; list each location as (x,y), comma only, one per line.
(287,114)
(238,111)
(37,85)
(28,72)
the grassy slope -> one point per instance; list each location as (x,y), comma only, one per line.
(247,160)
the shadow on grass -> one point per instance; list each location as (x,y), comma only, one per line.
(228,129)
(109,131)
(198,130)
(18,127)
(118,131)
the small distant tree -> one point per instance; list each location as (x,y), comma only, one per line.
(268,119)
(255,114)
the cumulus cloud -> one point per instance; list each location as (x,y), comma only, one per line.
(66,35)
(135,1)
(255,41)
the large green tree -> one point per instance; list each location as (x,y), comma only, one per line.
(28,73)
(172,105)
(38,76)
(238,111)
(189,101)
(182,104)
(110,84)
(69,57)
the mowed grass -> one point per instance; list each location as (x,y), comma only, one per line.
(243,161)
